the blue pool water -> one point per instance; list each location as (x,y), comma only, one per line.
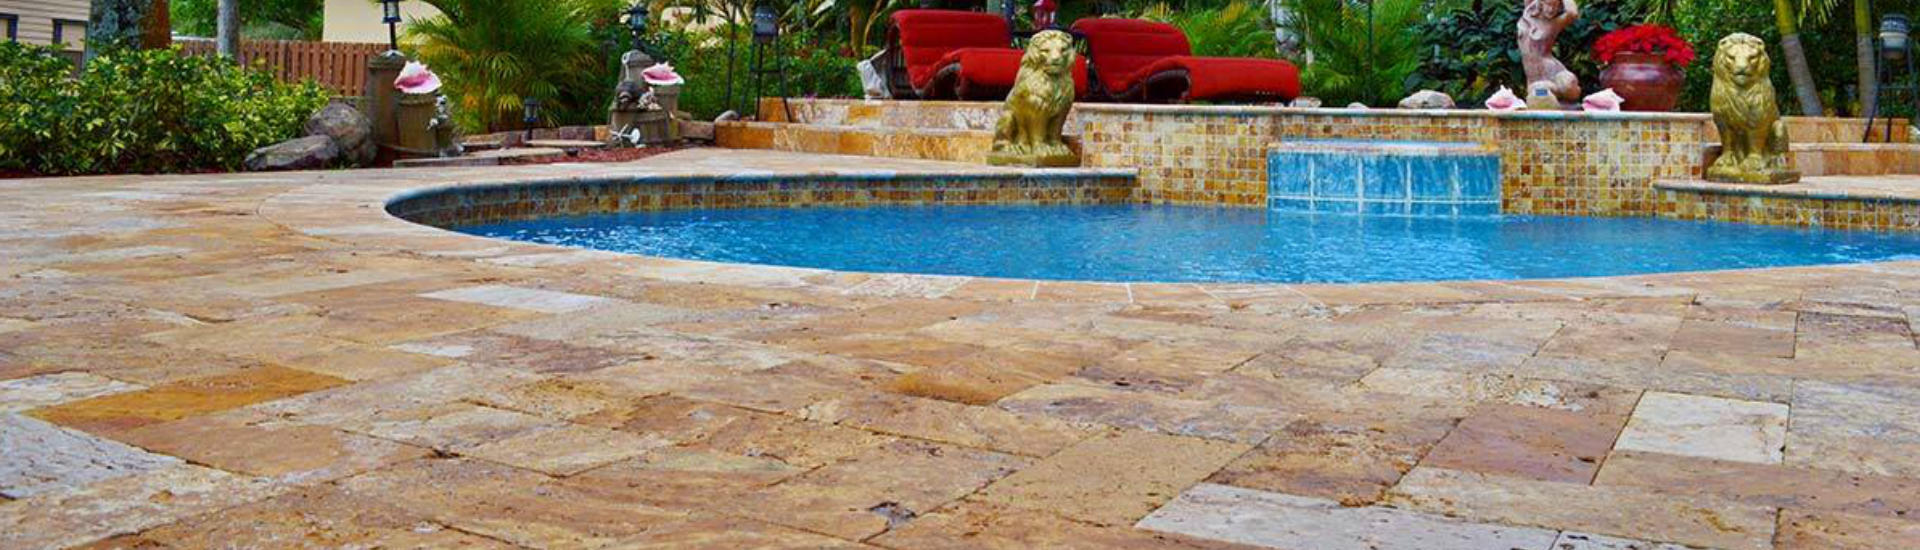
(1173,243)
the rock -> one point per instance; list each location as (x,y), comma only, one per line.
(350,130)
(305,153)
(1356,105)
(577,133)
(728,116)
(1306,102)
(1427,99)
(696,130)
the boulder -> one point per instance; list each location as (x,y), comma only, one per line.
(1427,99)
(1357,105)
(351,131)
(305,153)
(696,130)
(1306,102)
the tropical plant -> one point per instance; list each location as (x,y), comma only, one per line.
(270,19)
(1365,53)
(141,111)
(495,53)
(816,65)
(1238,28)
(1469,51)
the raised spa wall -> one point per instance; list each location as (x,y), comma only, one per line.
(1596,164)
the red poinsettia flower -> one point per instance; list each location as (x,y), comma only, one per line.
(1654,39)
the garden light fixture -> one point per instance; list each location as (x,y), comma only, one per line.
(390,14)
(1895,36)
(766,25)
(531,110)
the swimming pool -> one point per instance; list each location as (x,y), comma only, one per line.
(1201,244)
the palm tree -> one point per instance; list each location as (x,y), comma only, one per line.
(1786,16)
(1864,53)
(494,53)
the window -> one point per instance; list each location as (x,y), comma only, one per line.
(12,23)
(69,32)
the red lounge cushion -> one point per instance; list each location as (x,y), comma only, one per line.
(929,36)
(1120,48)
(1228,77)
(998,68)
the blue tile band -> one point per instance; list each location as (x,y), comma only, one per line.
(1387,178)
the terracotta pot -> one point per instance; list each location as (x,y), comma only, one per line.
(1646,81)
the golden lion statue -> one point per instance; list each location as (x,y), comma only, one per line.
(1028,133)
(1753,137)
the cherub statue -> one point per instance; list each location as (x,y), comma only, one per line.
(1541,23)
(445,141)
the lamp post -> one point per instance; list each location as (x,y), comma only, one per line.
(1896,48)
(390,14)
(530,110)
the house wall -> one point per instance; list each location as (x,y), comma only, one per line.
(36,19)
(359,20)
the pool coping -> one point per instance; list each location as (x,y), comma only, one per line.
(356,214)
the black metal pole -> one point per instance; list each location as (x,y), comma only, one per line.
(733,32)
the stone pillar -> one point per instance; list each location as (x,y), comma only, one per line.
(414,118)
(381,97)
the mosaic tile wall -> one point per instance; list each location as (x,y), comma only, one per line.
(1697,201)
(508,202)
(1400,178)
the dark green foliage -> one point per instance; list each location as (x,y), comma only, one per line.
(151,111)
(1238,28)
(817,66)
(1360,54)
(260,19)
(1471,48)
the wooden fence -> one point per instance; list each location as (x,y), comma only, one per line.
(337,66)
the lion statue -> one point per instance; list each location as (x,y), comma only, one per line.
(1028,133)
(1753,137)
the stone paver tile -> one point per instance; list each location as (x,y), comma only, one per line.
(724,533)
(43,458)
(686,478)
(315,517)
(1551,394)
(1709,427)
(1148,411)
(318,280)
(1529,442)
(1493,348)
(9,325)
(1349,457)
(566,449)
(517,506)
(603,321)
(1617,511)
(1867,428)
(1275,520)
(33,392)
(1165,367)
(560,398)
(985,377)
(355,404)
(451,426)
(875,490)
(736,431)
(1802,530)
(977,525)
(412,318)
(793,386)
(908,348)
(531,299)
(255,444)
(277,339)
(1002,290)
(522,353)
(947,422)
(1761,332)
(1765,484)
(1587,541)
(1654,375)
(123,505)
(359,362)
(176,400)
(1113,478)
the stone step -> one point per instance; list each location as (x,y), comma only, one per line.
(1846,159)
(484,158)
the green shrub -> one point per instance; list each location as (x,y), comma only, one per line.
(816,66)
(1238,28)
(1469,49)
(1352,62)
(151,111)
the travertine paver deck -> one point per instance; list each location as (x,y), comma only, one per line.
(271,360)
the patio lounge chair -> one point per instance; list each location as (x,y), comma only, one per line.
(949,54)
(1145,61)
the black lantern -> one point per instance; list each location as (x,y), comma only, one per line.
(1895,37)
(390,14)
(766,25)
(637,23)
(530,108)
